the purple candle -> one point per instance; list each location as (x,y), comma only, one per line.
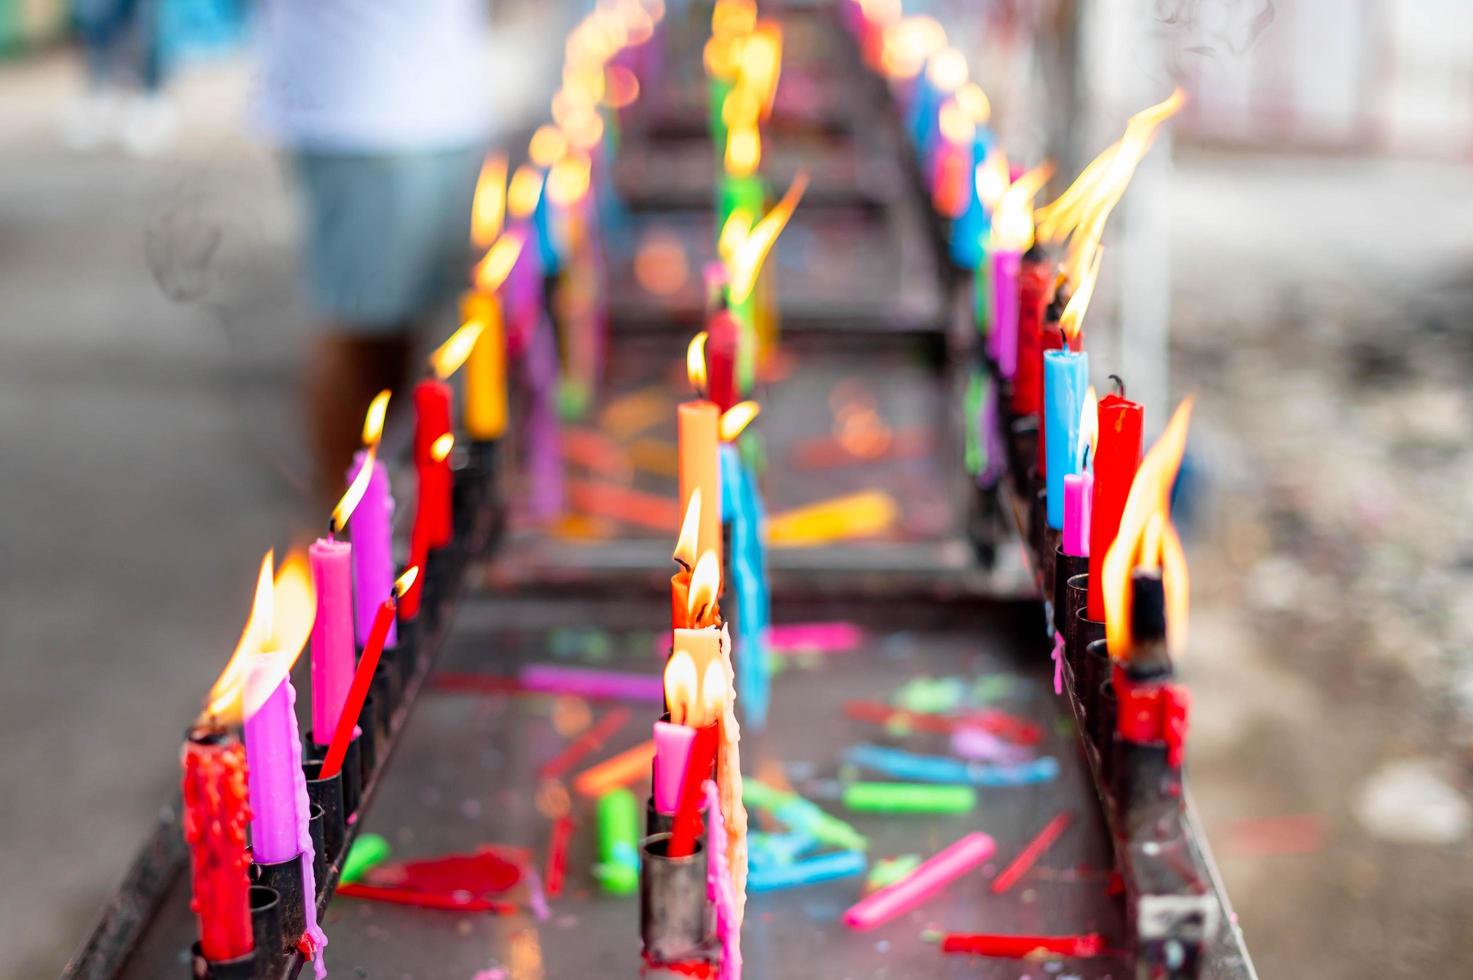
(544,437)
(1002,340)
(373,549)
(332,634)
(272,748)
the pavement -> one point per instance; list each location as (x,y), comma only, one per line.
(150,453)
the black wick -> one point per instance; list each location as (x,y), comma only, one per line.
(1119,384)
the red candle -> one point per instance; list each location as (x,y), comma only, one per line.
(687,824)
(1117,454)
(432,460)
(216,814)
(363,677)
(721,357)
(1035,283)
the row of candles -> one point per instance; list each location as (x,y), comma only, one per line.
(247,799)
(1108,557)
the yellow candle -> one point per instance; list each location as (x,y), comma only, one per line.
(485,382)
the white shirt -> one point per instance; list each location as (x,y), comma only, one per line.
(368,76)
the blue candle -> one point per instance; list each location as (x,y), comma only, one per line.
(969,232)
(741,507)
(825,867)
(543,221)
(900,764)
(1065,380)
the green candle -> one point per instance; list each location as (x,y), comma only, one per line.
(909,798)
(367,853)
(718,90)
(618,843)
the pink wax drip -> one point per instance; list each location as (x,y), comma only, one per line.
(719,887)
(315,935)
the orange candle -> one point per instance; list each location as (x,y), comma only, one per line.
(698,422)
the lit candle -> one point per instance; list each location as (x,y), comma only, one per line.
(1116,459)
(945,72)
(1078,490)
(672,753)
(431,424)
(214,824)
(696,430)
(332,634)
(1065,378)
(744,249)
(1011,236)
(485,372)
(370,523)
(685,557)
(1035,335)
(969,231)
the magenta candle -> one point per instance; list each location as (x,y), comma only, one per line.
(672,753)
(921,884)
(332,634)
(1002,339)
(372,526)
(1078,498)
(272,748)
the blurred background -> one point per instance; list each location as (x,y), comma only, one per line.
(1296,253)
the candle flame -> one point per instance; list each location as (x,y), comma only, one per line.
(1071,320)
(279,623)
(992,178)
(695,362)
(733,233)
(955,122)
(498,262)
(681,684)
(1012,224)
(690,532)
(524,192)
(373,419)
(974,103)
(1089,429)
(354,494)
(440,448)
(488,206)
(907,44)
(749,254)
(705,586)
(1147,540)
(731,18)
(449,356)
(743,150)
(404,582)
(584,128)
(547,145)
(621,87)
(735,419)
(947,70)
(759,63)
(570,179)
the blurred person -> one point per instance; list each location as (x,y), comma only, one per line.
(382,110)
(126,66)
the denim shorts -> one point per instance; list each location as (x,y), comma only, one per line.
(386,234)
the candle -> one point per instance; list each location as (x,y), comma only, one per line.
(432,422)
(371,527)
(1035,289)
(1065,378)
(618,842)
(926,881)
(969,233)
(686,826)
(332,634)
(269,734)
(1116,459)
(697,422)
(347,721)
(952,167)
(214,824)
(1011,236)
(672,752)
(1078,494)
(485,374)
(544,434)
(748,563)
(722,332)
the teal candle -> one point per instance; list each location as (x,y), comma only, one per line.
(970,231)
(1065,380)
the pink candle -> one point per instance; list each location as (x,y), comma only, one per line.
(921,884)
(672,751)
(332,634)
(371,526)
(1078,498)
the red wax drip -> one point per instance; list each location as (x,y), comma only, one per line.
(431,421)
(1117,455)
(721,355)
(1032,852)
(362,678)
(1018,947)
(1034,280)
(216,813)
(687,824)
(452,902)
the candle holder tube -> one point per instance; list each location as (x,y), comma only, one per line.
(240,968)
(328,794)
(352,772)
(1096,672)
(285,878)
(656,822)
(1076,597)
(384,695)
(368,739)
(1066,567)
(466,491)
(1037,523)
(483,467)
(1102,728)
(1146,789)
(1052,537)
(316,818)
(675,917)
(266,932)
(1086,631)
(440,570)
